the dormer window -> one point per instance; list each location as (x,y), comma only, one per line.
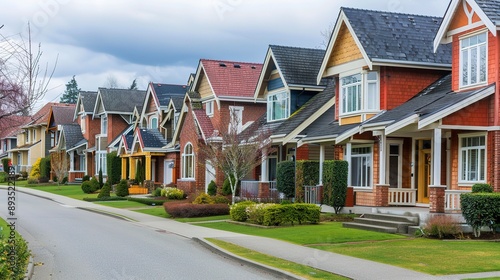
(278,106)
(82,123)
(359,93)
(153,122)
(104,125)
(473,60)
(209,108)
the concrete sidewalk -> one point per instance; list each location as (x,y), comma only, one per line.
(350,267)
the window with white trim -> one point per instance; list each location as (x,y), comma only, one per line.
(359,92)
(100,162)
(153,122)
(278,106)
(236,118)
(82,123)
(104,125)
(473,60)
(209,108)
(188,162)
(361,166)
(472,159)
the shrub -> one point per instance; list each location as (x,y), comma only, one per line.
(147,201)
(482,188)
(3,177)
(255,212)
(101,180)
(188,210)
(140,172)
(122,188)
(276,215)
(87,187)
(94,184)
(221,199)
(481,210)
(64,180)
(6,163)
(203,198)
(174,193)
(212,188)
(238,211)
(35,169)
(157,192)
(32,181)
(45,167)
(20,258)
(442,226)
(24,174)
(306,174)
(335,183)
(226,186)
(285,178)
(85,178)
(113,167)
(105,191)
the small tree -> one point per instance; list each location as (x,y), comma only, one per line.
(45,168)
(212,188)
(59,163)
(335,184)
(5,163)
(133,85)
(71,93)
(285,178)
(140,172)
(35,169)
(113,166)
(234,153)
(101,180)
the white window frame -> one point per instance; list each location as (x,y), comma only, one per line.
(104,125)
(209,108)
(239,113)
(100,161)
(278,93)
(470,49)
(82,122)
(34,135)
(463,164)
(365,98)
(188,159)
(369,183)
(154,117)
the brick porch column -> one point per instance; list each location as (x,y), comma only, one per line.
(382,195)
(349,200)
(436,199)
(263,190)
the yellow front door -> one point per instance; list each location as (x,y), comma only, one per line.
(424,170)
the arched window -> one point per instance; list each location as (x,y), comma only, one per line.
(153,122)
(188,162)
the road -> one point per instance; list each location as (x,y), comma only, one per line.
(71,243)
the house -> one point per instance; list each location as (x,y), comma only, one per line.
(8,134)
(89,127)
(153,131)
(33,142)
(220,91)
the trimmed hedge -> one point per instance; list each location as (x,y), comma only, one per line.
(147,201)
(90,186)
(122,188)
(212,188)
(482,188)
(481,210)
(285,178)
(108,198)
(105,191)
(5,164)
(291,213)
(335,183)
(306,174)
(45,167)
(113,167)
(189,210)
(238,210)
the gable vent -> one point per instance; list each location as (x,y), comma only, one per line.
(237,66)
(222,64)
(253,67)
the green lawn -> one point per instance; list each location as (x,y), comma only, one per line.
(73,191)
(304,271)
(4,229)
(123,204)
(157,211)
(203,219)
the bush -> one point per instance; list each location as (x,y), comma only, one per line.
(238,211)
(95,184)
(221,199)
(85,178)
(203,198)
(306,174)
(481,210)
(45,167)
(122,188)
(173,193)
(212,188)
(32,181)
(226,186)
(105,191)
(255,212)
(3,177)
(20,258)
(276,215)
(87,187)
(35,169)
(109,198)
(147,201)
(482,188)
(101,180)
(285,178)
(335,183)
(157,192)
(189,210)
(6,163)
(24,174)
(442,226)
(113,167)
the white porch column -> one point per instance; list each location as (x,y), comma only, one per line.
(436,158)
(382,158)
(263,167)
(348,159)
(321,161)
(72,161)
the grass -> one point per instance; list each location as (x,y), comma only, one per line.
(157,211)
(72,191)
(122,204)
(4,229)
(203,219)
(304,271)
(431,256)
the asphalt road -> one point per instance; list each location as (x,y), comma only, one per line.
(71,243)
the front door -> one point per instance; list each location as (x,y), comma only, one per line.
(168,170)
(423,170)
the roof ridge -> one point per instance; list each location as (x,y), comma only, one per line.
(389,12)
(294,47)
(230,61)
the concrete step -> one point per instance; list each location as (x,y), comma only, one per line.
(401,227)
(370,227)
(391,217)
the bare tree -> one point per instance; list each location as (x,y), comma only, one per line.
(23,79)
(236,154)
(60,165)
(111,82)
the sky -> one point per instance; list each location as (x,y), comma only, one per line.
(162,41)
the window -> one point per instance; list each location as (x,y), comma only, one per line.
(34,135)
(104,125)
(100,162)
(153,122)
(209,108)
(358,95)
(278,106)
(236,115)
(82,123)
(361,166)
(472,159)
(188,162)
(473,60)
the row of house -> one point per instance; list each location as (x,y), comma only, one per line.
(410,101)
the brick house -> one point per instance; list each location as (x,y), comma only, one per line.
(89,128)
(10,128)
(218,88)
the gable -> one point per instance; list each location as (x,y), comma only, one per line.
(464,16)
(151,105)
(204,88)
(344,49)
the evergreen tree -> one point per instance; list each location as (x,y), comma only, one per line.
(71,93)
(134,84)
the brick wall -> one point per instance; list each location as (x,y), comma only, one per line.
(92,127)
(116,125)
(477,114)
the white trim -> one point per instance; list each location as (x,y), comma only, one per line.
(400,144)
(347,67)
(460,160)
(289,100)
(465,28)
(470,127)
(347,134)
(400,124)
(411,64)
(183,168)
(477,62)
(371,155)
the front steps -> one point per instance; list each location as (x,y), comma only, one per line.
(387,223)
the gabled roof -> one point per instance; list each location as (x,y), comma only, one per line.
(164,92)
(10,126)
(325,129)
(71,136)
(148,139)
(229,78)
(118,101)
(41,116)
(391,38)
(88,98)
(127,131)
(203,123)
(61,115)
(487,10)
(177,102)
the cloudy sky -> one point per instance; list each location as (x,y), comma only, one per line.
(162,40)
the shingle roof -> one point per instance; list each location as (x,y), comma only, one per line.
(203,122)
(491,8)
(40,117)
(397,36)
(151,138)
(234,79)
(308,109)
(10,126)
(178,101)
(72,135)
(121,100)
(166,91)
(63,114)
(88,100)
(324,128)
(299,66)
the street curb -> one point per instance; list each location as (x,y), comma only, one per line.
(271,270)
(29,269)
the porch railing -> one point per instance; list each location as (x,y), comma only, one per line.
(452,200)
(402,197)
(249,188)
(312,194)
